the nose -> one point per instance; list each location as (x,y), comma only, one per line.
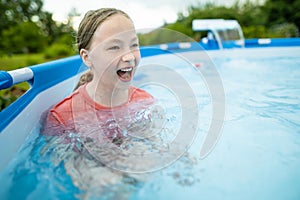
(128,57)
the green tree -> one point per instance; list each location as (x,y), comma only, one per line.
(275,18)
(283,11)
(16,15)
(25,37)
(249,14)
(13,13)
(16,11)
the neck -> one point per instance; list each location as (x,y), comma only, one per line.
(106,96)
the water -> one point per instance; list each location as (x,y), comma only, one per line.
(256,157)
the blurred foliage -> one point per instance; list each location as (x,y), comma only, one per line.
(162,35)
(282,12)
(23,38)
(11,62)
(29,36)
(58,50)
(26,28)
(273,19)
(9,95)
(63,47)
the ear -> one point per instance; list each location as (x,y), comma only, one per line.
(85,57)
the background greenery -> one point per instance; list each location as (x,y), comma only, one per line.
(29,35)
(273,19)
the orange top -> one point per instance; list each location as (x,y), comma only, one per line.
(76,106)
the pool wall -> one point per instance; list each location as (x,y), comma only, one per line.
(212,45)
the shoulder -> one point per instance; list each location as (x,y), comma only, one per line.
(62,111)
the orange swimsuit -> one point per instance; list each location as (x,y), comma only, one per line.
(79,109)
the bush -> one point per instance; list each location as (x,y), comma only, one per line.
(9,95)
(284,30)
(255,32)
(25,37)
(33,61)
(58,50)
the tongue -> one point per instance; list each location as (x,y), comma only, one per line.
(124,75)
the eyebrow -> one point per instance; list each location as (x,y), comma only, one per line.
(120,41)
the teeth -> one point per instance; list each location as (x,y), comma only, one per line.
(126,69)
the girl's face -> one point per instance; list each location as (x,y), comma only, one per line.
(114,53)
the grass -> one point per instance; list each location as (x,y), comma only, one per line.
(18,61)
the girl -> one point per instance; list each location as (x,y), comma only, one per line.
(108,45)
(105,114)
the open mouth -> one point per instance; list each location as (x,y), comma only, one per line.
(125,74)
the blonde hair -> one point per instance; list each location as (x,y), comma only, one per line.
(87,27)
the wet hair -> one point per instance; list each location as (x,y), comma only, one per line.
(87,27)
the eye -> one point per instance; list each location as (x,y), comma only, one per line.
(135,45)
(114,47)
